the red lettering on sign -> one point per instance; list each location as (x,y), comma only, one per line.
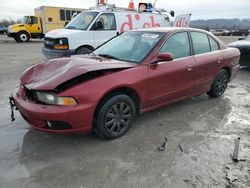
(128,24)
(146,25)
(182,22)
(137,17)
(153,24)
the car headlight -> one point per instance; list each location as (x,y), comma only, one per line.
(52,98)
(61,44)
(9,29)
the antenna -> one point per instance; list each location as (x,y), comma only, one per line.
(154,5)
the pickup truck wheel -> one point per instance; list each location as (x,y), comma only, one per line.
(83,50)
(115,116)
(22,36)
(219,85)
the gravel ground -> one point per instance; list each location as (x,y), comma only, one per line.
(200,131)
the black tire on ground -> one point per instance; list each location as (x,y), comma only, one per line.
(83,50)
(219,85)
(114,116)
(22,36)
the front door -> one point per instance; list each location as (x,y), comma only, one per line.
(33,25)
(104,28)
(172,80)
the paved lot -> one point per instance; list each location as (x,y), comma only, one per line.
(205,128)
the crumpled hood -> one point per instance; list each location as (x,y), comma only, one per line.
(240,43)
(61,33)
(49,74)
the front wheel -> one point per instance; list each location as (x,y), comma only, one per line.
(115,116)
(22,37)
(219,85)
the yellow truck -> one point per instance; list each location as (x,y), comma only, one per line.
(46,18)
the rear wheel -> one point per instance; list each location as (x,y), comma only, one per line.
(115,116)
(22,36)
(219,85)
(83,50)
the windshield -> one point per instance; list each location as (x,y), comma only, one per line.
(24,20)
(131,46)
(82,21)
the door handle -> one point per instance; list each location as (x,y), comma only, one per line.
(189,69)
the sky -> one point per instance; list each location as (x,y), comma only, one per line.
(200,9)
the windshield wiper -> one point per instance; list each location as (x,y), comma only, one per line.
(108,56)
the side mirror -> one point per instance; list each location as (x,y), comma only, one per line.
(172,13)
(162,57)
(241,38)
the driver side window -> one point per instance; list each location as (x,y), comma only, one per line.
(106,22)
(178,45)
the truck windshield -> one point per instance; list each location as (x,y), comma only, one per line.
(82,21)
(25,20)
(137,46)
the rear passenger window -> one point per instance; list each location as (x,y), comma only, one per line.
(200,43)
(213,44)
(178,45)
(107,21)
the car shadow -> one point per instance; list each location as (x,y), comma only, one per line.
(178,116)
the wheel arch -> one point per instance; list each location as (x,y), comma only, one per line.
(24,31)
(229,71)
(85,46)
(132,93)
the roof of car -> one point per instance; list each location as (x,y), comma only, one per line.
(167,29)
(176,29)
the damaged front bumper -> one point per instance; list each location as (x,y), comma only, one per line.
(52,53)
(51,118)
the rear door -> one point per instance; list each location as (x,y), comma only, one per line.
(208,58)
(174,79)
(104,28)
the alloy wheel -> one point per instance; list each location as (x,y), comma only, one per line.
(118,117)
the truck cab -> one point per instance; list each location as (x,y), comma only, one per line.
(29,27)
(46,18)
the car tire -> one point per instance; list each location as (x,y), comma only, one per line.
(219,85)
(83,50)
(22,36)
(115,116)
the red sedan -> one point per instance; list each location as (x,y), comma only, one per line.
(135,72)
